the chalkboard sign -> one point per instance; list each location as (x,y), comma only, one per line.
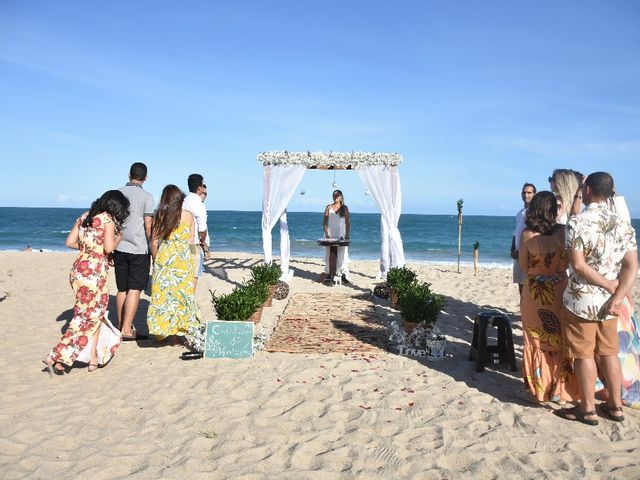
(228,340)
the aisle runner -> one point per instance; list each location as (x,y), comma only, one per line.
(324,323)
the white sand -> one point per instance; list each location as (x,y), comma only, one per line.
(149,414)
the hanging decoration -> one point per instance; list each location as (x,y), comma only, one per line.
(334,160)
(334,184)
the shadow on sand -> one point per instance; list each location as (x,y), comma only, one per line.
(457,324)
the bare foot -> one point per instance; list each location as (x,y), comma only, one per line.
(93,367)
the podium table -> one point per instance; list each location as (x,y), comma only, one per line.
(333,244)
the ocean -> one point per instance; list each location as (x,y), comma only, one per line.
(426,238)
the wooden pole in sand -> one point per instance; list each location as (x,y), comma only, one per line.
(459,205)
(476,255)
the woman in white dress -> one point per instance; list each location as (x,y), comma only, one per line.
(336,225)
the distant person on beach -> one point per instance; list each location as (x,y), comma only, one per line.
(90,337)
(603,264)
(528,191)
(207,241)
(193,203)
(173,307)
(131,259)
(28,248)
(565,183)
(337,225)
(548,374)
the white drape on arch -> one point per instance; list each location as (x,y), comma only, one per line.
(383,182)
(279,183)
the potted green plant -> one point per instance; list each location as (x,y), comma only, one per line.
(243,303)
(267,274)
(259,293)
(419,305)
(398,278)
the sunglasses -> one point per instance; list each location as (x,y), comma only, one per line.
(550,179)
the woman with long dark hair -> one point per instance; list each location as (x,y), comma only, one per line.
(548,374)
(90,336)
(173,308)
(337,225)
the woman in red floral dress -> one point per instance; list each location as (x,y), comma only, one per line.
(90,336)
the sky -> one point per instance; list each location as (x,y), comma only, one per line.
(478,97)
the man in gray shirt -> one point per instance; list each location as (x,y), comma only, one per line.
(131,259)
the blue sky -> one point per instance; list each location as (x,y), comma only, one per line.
(478,97)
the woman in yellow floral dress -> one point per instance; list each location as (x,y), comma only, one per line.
(173,307)
(90,336)
(548,374)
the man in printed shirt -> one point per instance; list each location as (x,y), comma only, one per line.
(603,264)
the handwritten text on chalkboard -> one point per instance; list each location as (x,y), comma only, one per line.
(228,340)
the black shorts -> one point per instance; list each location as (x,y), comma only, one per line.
(132,270)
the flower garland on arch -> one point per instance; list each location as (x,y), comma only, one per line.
(330,160)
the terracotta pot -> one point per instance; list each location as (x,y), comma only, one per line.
(410,326)
(257,316)
(393,296)
(269,301)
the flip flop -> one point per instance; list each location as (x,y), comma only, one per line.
(576,415)
(606,410)
(191,355)
(131,338)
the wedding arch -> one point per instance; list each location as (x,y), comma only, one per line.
(283,171)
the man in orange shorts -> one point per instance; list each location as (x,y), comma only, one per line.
(603,264)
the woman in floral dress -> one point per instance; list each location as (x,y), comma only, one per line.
(548,374)
(173,307)
(90,336)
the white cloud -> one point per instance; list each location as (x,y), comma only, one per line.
(63,199)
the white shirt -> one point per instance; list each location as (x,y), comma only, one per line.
(520,226)
(193,204)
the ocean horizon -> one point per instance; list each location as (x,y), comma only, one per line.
(426,238)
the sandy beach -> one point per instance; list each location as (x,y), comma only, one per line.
(149,414)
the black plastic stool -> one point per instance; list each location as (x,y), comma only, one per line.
(492,354)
